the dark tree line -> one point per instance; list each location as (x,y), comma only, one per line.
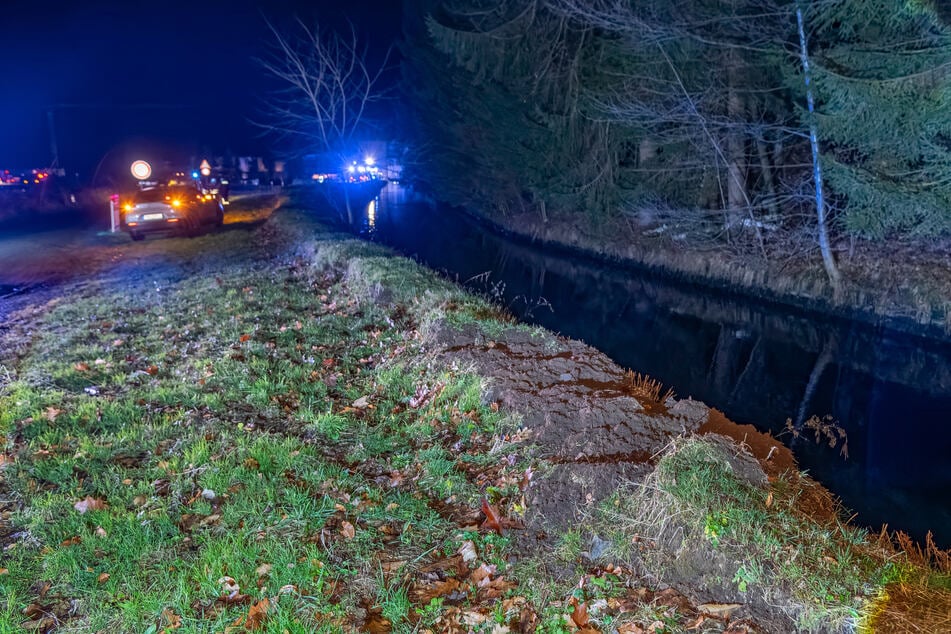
(690,116)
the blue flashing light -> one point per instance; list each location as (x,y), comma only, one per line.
(194,174)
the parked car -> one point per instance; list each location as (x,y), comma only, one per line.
(179,209)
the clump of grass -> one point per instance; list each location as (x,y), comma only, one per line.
(646,389)
(695,500)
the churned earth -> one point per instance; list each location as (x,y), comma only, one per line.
(278,428)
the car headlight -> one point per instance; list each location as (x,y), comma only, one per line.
(176,203)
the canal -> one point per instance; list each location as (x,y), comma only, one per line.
(865,410)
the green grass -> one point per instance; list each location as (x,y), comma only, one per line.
(222,441)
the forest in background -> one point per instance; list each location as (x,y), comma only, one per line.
(690,119)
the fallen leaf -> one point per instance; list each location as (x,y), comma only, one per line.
(81,367)
(152,370)
(4,571)
(579,613)
(101,532)
(347,530)
(769,499)
(104,577)
(257,613)
(362,403)
(491,517)
(483,574)
(174,621)
(90,504)
(51,413)
(229,585)
(244,338)
(263,569)
(468,551)
(721,610)
(72,541)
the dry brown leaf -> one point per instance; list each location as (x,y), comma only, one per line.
(483,574)
(90,504)
(174,621)
(244,338)
(103,577)
(4,571)
(51,413)
(347,529)
(491,517)
(468,551)
(263,570)
(579,613)
(81,367)
(720,610)
(257,613)
(229,585)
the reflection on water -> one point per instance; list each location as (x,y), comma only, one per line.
(890,393)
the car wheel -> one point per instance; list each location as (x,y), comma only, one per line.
(136,236)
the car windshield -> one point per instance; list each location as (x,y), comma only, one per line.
(161,194)
(150,196)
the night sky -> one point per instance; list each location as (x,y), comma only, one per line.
(174,77)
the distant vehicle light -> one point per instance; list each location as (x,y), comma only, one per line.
(352,168)
(176,203)
(128,207)
(172,220)
(194,174)
(369,160)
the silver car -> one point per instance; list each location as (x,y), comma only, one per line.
(181,210)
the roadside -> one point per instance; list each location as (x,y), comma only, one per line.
(277,428)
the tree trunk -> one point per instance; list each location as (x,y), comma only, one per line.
(828,261)
(736,155)
(769,182)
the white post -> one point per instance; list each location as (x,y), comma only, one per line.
(113,221)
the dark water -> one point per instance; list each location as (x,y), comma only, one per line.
(889,393)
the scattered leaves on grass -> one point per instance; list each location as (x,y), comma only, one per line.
(347,530)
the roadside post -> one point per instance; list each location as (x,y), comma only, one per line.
(113,213)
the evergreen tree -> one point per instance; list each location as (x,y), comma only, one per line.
(882,72)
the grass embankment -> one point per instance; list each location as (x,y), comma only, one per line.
(264,444)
